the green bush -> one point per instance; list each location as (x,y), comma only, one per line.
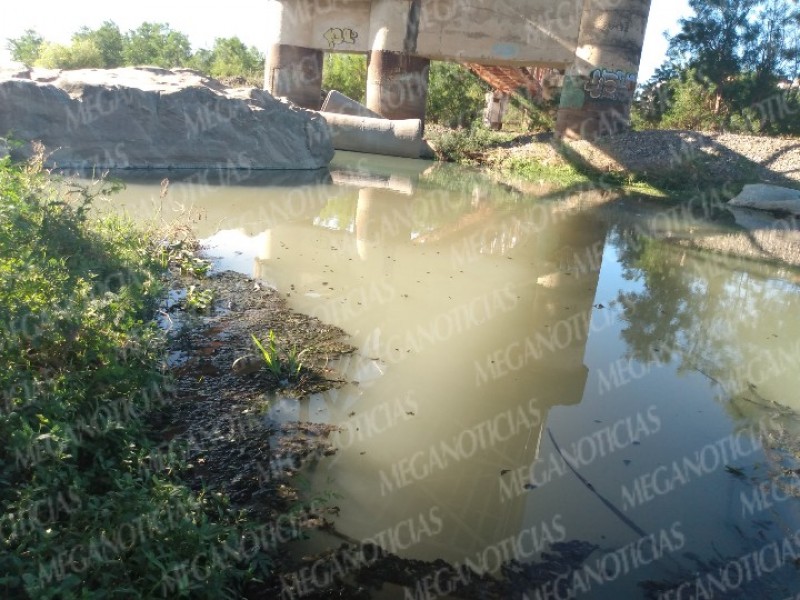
(89,506)
(692,107)
(456,96)
(464,145)
(81,54)
(346,73)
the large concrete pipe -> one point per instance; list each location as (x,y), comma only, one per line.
(376,136)
(599,87)
(336,102)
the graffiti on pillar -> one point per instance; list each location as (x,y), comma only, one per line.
(606,84)
(336,36)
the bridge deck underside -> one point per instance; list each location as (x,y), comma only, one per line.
(512,79)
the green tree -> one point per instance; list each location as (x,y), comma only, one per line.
(25,49)
(157,44)
(656,96)
(724,67)
(692,104)
(713,42)
(231,58)
(201,60)
(109,41)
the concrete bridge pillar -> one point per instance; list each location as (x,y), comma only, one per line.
(295,72)
(599,87)
(397,79)
(294,58)
(496,105)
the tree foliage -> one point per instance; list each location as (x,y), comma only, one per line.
(231,58)
(81,54)
(25,49)
(455,95)
(346,73)
(154,44)
(157,44)
(108,40)
(731,66)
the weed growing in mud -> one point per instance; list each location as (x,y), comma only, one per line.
(289,366)
(293,364)
(198,300)
(182,254)
(269,353)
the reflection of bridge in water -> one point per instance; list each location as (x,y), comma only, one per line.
(517,334)
(432,272)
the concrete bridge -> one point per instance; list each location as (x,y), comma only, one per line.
(597,43)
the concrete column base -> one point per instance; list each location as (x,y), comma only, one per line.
(591,122)
(397,85)
(496,105)
(295,73)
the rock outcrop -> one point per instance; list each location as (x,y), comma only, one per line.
(146,117)
(763,196)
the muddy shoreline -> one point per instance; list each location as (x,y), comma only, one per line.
(218,413)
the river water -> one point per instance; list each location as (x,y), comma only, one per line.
(531,369)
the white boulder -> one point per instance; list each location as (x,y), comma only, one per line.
(146,117)
(763,196)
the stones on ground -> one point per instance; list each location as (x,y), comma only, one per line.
(247,365)
(762,196)
(146,117)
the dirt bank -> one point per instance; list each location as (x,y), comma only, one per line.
(664,155)
(219,410)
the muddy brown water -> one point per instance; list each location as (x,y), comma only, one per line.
(529,371)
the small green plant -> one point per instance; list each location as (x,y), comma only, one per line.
(293,363)
(195,266)
(182,254)
(269,352)
(289,367)
(198,300)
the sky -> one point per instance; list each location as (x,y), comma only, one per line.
(202,22)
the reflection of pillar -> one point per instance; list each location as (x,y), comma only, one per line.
(496,104)
(598,88)
(295,73)
(397,79)
(382,217)
(266,252)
